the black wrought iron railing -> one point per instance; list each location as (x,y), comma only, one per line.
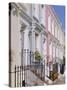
(28,71)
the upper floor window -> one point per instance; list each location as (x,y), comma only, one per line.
(49,23)
(53,27)
(42,15)
(53,51)
(59,33)
(56,52)
(50,49)
(56,31)
(36,11)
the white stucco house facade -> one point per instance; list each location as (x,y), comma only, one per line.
(27,34)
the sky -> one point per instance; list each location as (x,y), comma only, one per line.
(60,10)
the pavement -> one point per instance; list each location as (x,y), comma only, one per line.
(32,79)
(60,80)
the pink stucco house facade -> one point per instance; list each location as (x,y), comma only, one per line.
(55,42)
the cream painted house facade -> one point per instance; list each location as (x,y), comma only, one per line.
(27,33)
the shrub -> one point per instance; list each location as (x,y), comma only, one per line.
(38,56)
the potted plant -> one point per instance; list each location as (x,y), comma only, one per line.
(38,56)
(53,75)
(38,59)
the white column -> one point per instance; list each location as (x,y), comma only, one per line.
(41,43)
(33,41)
(59,68)
(26,44)
(48,71)
(26,38)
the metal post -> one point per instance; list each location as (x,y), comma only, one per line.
(15,75)
(9,44)
(44,70)
(23,79)
(41,71)
(20,76)
(30,58)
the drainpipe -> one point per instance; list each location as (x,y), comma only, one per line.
(9,44)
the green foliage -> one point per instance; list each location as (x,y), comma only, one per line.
(53,75)
(38,56)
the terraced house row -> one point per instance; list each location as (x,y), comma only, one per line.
(36,45)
